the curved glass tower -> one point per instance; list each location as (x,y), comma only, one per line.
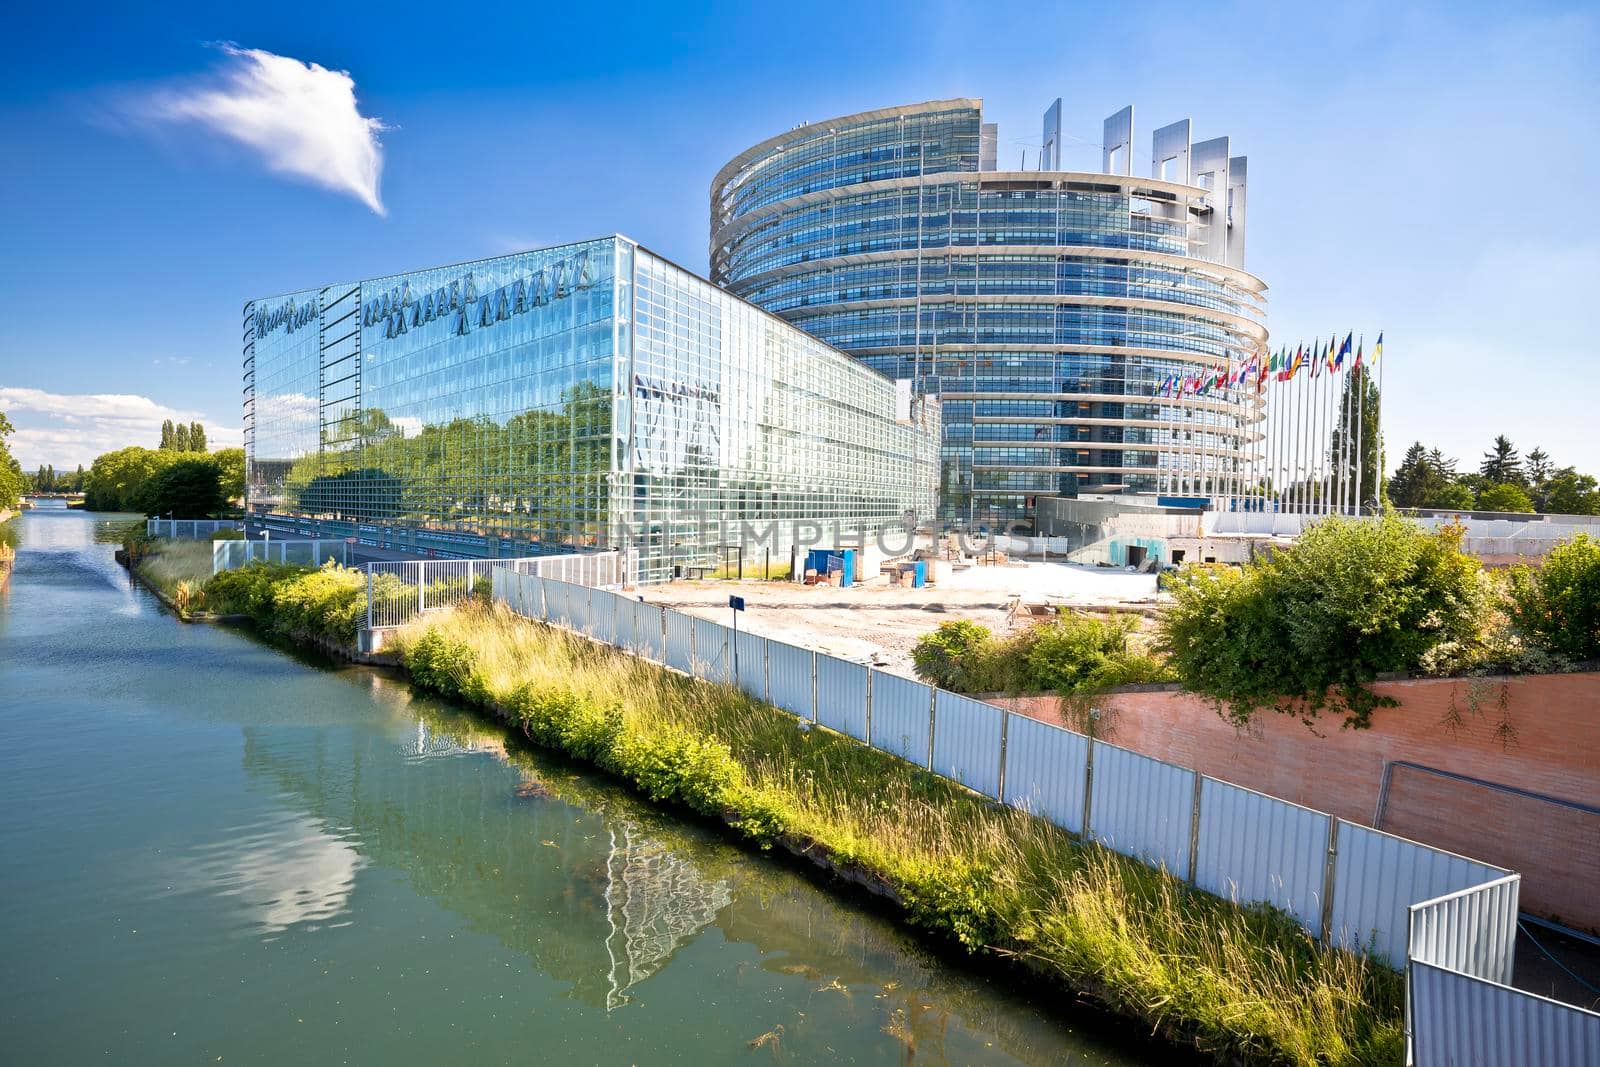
(1046,308)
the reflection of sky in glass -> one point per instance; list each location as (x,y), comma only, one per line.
(283,870)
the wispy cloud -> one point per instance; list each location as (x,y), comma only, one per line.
(301,118)
(66,429)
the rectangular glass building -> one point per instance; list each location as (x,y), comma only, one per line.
(587,396)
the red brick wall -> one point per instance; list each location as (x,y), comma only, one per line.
(1538,733)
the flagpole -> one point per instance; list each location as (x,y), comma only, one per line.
(1361,421)
(1383,461)
(1296,431)
(1274,448)
(1336,455)
(1347,406)
(1325,439)
(1318,402)
(1348,493)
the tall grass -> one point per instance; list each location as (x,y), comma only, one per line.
(1243,981)
(170,563)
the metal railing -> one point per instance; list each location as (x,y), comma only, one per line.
(231,555)
(1405,903)
(399,591)
(189,529)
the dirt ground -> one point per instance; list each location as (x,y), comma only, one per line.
(876,623)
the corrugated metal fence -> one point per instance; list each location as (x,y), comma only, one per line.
(1405,903)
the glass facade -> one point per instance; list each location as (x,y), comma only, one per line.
(586,396)
(1045,307)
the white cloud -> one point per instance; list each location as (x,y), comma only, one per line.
(66,429)
(302,118)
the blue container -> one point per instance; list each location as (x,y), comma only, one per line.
(824,560)
(919,574)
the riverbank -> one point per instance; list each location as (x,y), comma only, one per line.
(1242,985)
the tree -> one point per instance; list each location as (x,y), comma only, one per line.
(180,438)
(1569,493)
(1415,480)
(187,489)
(1501,496)
(197,437)
(231,463)
(116,480)
(1558,605)
(1501,463)
(1538,470)
(1452,496)
(12,481)
(1445,468)
(166,435)
(1357,419)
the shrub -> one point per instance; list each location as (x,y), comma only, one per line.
(1312,625)
(330,602)
(1076,653)
(1557,605)
(1502,496)
(950,656)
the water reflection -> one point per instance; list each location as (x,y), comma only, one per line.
(240,853)
(285,870)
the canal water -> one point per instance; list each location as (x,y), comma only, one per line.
(217,851)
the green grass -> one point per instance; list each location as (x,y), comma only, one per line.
(178,568)
(1241,981)
(752,571)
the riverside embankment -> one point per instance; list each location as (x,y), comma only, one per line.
(224,850)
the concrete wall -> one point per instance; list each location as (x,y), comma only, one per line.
(1539,734)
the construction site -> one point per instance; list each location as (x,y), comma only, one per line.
(870,610)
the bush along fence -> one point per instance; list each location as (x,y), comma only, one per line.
(399,591)
(1447,921)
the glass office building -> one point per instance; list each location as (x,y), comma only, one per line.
(588,396)
(1045,307)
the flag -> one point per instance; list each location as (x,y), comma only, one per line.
(1360,347)
(1345,349)
(1377,349)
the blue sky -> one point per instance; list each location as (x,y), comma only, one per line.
(1430,171)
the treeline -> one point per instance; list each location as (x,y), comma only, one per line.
(1504,481)
(179,478)
(181,438)
(46,480)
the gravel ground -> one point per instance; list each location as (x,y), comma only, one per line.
(879,624)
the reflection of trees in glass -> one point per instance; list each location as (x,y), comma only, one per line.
(540,475)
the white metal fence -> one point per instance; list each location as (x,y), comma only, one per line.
(231,555)
(189,529)
(398,591)
(1346,884)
